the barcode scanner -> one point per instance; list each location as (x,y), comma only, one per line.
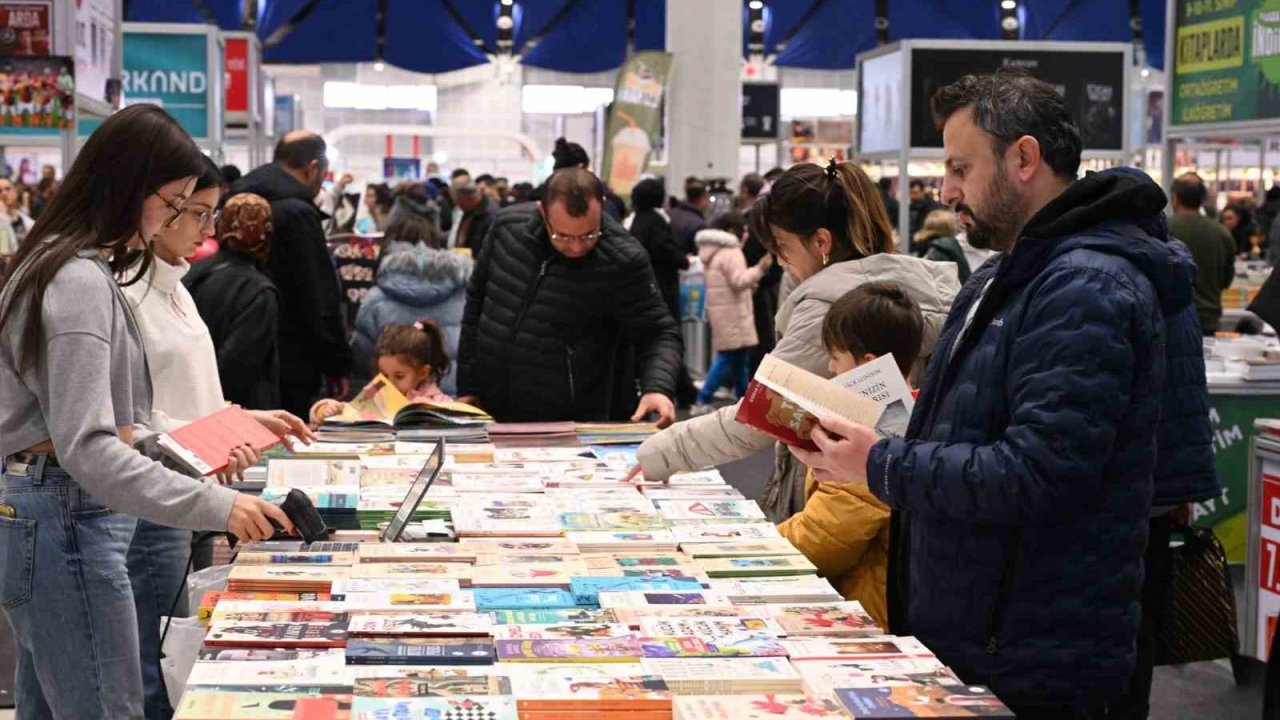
(304,516)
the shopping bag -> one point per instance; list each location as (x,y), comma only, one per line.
(178,654)
(202,581)
(1200,620)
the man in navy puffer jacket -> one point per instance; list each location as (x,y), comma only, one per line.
(1024,485)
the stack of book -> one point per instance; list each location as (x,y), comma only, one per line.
(560,601)
(550,434)
(614,433)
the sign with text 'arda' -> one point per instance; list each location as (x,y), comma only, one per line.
(170,70)
(1226,61)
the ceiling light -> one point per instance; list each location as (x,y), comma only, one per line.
(379,66)
(756,5)
(1146,72)
(1009,4)
(507,2)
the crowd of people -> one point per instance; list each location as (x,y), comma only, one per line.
(1051,322)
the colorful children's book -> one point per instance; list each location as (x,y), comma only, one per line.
(846,619)
(612,600)
(640,541)
(412,570)
(414,682)
(521,546)
(277,634)
(822,678)
(721,533)
(766,706)
(328,671)
(221,705)
(419,651)
(740,645)
(267,654)
(569,631)
(313,472)
(537,690)
(624,521)
(734,510)
(772,566)
(708,627)
(529,575)
(488,599)
(699,551)
(922,701)
(605,650)
(428,624)
(726,676)
(635,614)
(416,552)
(586,590)
(873,648)
(477,707)
(342,588)
(554,617)
(411,602)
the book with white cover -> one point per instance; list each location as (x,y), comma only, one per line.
(306,472)
(762,548)
(822,678)
(777,590)
(708,627)
(736,532)
(633,598)
(328,671)
(342,588)
(873,648)
(562,631)
(734,510)
(428,624)
(881,380)
(413,602)
(725,676)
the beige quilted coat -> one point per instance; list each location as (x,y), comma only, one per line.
(729,286)
(716,439)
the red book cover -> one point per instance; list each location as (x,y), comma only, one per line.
(784,401)
(767,410)
(203,446)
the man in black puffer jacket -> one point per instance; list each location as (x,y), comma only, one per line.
(558,299)
(313,335)
(1023,487)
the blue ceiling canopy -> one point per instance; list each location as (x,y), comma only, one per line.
(582,36)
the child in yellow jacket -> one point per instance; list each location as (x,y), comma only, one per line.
(843,528)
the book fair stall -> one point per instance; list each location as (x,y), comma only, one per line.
(504,571)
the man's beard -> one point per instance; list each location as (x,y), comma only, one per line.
(1002,217)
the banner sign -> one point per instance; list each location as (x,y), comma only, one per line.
(634,119)
(237,74)
(172,71)
(1226,61)
(400,168)
(26,28)
(95,48)
(37,95)
(1091,81)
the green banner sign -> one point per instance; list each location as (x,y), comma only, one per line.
(170,70)
(1226,61)
(1231,422)
(634,119)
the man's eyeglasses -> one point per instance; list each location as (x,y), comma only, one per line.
(562,238)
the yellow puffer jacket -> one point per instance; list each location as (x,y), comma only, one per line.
(844,531)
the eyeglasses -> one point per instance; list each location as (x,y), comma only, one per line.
(561,238)
(204,216)
(177,211)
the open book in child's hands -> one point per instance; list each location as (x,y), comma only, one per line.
(380,403)
(787,402)
(204,446)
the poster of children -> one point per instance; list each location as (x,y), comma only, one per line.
(37,92)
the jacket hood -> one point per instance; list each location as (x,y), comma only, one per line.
(1118,212)
(421,276)
(710,241)
(272,183)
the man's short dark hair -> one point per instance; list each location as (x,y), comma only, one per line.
(916,184)
(459,173)
(885,184)
(299,151)
(574,188)
(1010,104)
(648,194)
(773,174)
(485,179)
(752,184)
(730,222)
(694,191)
(1190,191)
(230,173)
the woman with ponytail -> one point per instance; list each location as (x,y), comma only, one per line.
(830,231)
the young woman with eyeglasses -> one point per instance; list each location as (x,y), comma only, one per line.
(183,368)
(75,402)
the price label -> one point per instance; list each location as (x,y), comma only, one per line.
(1269,570)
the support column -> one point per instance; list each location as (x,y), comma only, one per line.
(704,105)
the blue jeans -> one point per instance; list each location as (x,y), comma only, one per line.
(157,563)
(65,590)
(729,366)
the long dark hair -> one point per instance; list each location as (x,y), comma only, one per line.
(840,198)
(99,207)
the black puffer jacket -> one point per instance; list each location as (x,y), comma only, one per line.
(545,337)
(313,338)
(653,231)
(241,306)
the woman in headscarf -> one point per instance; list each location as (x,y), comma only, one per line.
(240,304)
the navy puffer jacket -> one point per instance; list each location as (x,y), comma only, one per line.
(1024,484)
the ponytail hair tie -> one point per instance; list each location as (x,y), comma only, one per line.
(418,324)
(832,168)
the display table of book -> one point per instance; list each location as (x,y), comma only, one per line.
(555,590)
